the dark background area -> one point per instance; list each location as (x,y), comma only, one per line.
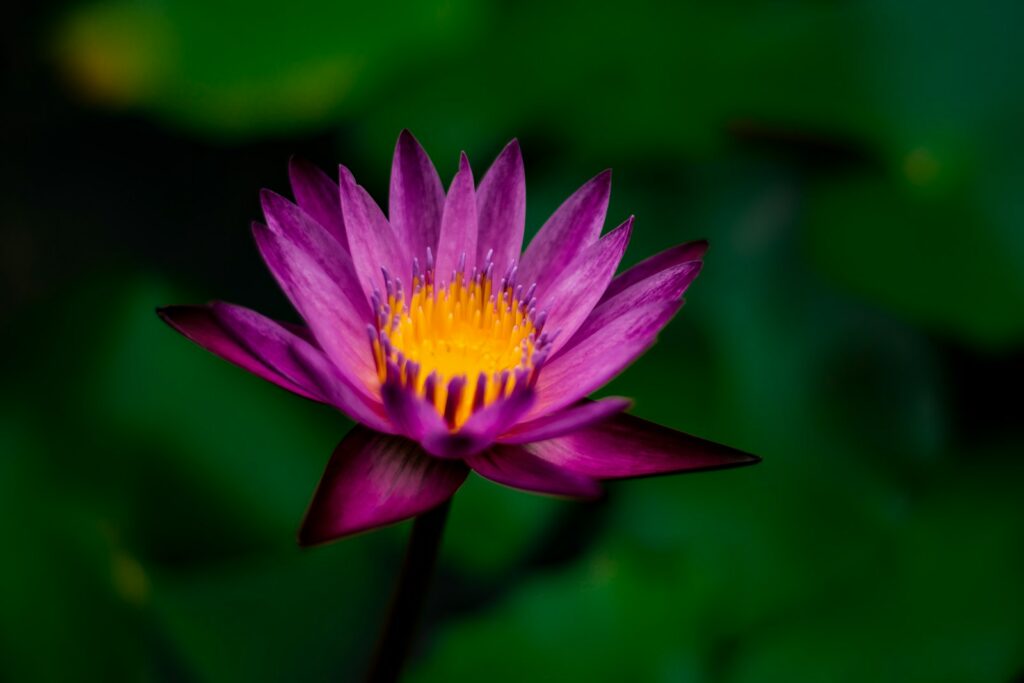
(858,169)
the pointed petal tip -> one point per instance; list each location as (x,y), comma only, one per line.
(628,447)
(700,248)
(271,202)
(734,460)
(258,230)
(167,314)
(621,233)
(345,174)
(512,148)
(306,538)
(509,154)
(748,459)
(407,143)
(170,312)
(299,166)
(624,402)
(602,183)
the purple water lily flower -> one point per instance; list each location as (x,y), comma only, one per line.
(452,350)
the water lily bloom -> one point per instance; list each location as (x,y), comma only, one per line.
(452,350)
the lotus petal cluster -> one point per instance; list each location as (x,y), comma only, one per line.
(451,347)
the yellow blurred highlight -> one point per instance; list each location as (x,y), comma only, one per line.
(114,54)
(130,580)
(921,167)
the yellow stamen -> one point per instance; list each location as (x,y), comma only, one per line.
(457,331)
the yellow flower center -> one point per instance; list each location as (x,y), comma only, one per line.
(460,345)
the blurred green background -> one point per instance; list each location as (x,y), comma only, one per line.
(859,170)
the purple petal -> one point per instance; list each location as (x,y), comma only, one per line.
(371,239)
(458,224)
(296,226)
(340,391)
(500,415)
(579,287)
(304,272)
(682,253)
(572,228)
(593,362)
(373,480)
(203,326)
(455,445)
(665,285)
(414,416)
(317,195)
(300,331)
(501,208)
(571,419)
(516,467)
(482,428)
(626,446)
(416,200)
(265,338)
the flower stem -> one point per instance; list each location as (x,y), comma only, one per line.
(410,594)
